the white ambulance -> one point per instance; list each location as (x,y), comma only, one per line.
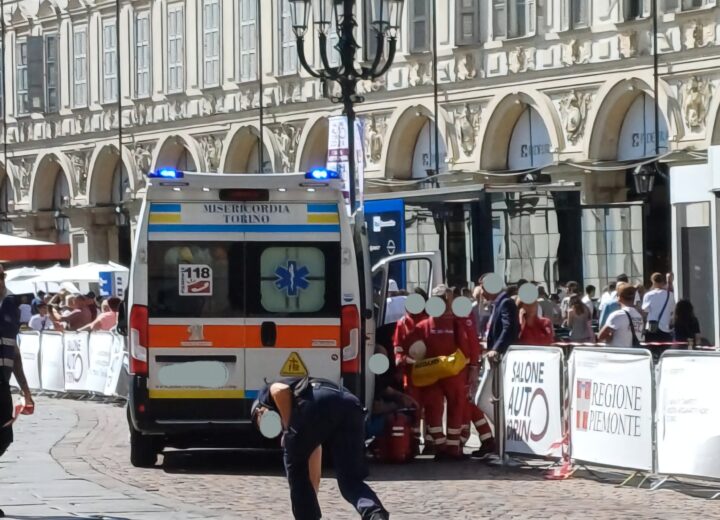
(237,279)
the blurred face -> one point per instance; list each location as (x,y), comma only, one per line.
(42,311)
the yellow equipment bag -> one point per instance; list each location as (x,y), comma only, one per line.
(431,370)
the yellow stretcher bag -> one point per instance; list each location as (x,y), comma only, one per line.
(430,370)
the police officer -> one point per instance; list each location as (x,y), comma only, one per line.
(314,412)
(10,363)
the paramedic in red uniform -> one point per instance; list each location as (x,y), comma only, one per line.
(467,328)
(403,330)
(440,338)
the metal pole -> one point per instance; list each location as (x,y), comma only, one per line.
(119,83)
(259,72)
(435,86)
(4,90)
(655,76)
(348,84)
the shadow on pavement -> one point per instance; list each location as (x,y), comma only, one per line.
(269,463)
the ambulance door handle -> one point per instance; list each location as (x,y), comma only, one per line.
(268,334)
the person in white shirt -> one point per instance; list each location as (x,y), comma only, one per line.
(395,305)
(589,300)
(25,310)
(572,290)
(658,306)
(607,296)
(624,327)
(41,321)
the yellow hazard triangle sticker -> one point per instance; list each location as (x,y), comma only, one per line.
(293,367)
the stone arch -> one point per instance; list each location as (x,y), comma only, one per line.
(44,175)
(240,150)
(404,128)
(179,151)
(7,190)
(712,122)
(612,103)
(103,163)
(504,113)
(313,144)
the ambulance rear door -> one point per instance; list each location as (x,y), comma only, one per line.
(293,296)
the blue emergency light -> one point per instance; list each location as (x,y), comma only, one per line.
(321,174)
(166,173)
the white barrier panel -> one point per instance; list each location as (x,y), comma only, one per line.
(532,400)
(688,414)
(116,382)
(611,407)
(52,375)
(76,361)
(100,347)
(484,395)
(29,344)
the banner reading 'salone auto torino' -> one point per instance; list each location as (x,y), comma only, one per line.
(532,397)
(611,416)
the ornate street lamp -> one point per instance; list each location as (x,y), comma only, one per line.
(644,178)
(62,221)
(386,16)
(122,217)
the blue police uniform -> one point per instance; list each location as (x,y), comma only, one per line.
(325,414)
(9,328)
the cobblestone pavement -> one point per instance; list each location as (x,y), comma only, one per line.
(93,446)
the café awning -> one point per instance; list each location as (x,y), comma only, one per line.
(17,250)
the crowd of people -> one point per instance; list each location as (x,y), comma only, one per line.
(623,316)
(64,311)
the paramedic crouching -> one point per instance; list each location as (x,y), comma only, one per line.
(314,412)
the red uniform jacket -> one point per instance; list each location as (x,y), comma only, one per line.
(441,336)
(403,330)
(470,343)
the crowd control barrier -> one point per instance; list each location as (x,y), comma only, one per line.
(532,393)
(76,363)
(688,414)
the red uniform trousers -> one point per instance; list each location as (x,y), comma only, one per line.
(452,390)
(474,415)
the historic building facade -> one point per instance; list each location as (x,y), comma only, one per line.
(512,135)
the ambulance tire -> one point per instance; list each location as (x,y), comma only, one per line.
(143,450)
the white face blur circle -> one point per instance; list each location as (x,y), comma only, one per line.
(378,364)
(270,424)
(493,283)
(528,293)
(418,350)
(435,307)
(414,304)
(462,307)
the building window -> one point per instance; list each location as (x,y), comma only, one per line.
(288,44)
(22,78)
(333,38)
(51,73)
(632,9)
(175,48)
(80,64)
(420,26)
(467,24)
(513,18)
(142,54)
(685,5)
(2,79)
(211,42)
(248,40)
(109,42)
(576,14)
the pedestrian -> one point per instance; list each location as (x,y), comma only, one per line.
(39,297)
(658,306)
(10,364)
(441,337)
(313,413)
(624,327)
(579,322)
(42,320)
(25,310)
(504,325)
(75,316)
(534,330)
(686,327)
(572,290)
(607,295)
(107,319)
(589,300)
(395,304)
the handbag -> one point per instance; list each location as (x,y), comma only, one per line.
(635,340)
(654,325)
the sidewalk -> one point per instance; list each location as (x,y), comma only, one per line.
(33,485)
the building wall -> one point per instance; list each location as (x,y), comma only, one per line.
(578,65)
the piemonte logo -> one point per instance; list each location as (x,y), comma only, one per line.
(584,398)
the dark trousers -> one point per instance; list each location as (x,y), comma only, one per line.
(337,421)
(6,411)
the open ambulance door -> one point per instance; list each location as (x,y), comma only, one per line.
(404,272)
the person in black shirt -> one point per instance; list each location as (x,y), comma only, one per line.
(685,325)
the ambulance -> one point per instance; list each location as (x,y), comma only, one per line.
(239,279)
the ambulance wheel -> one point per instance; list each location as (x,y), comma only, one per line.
(143,450)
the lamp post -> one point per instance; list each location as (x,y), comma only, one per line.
(644,179)
(386,16)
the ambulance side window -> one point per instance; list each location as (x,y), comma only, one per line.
(293,279)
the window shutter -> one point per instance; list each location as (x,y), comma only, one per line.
(36,73)
(530,17)
(466,28)
(370,34)
(248,35)
(419,26)
(499,26)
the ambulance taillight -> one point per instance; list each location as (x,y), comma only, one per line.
(138,340)
(350,339)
